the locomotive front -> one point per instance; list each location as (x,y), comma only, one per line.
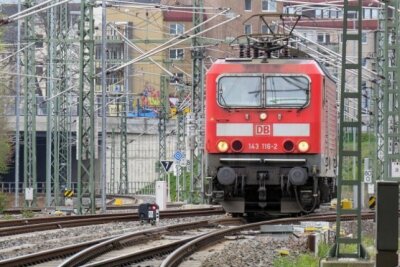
(270,135)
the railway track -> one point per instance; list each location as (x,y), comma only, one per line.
(17,211)
(199,243)
(172,253)
(14,227)
(88,250)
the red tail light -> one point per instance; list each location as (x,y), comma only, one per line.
(237,146)
(288,146)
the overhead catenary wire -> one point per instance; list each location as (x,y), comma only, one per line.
(161,48)
(140,50)
(158,6)
(19,16)
(16,52)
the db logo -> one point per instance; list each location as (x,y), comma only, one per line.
(263,129)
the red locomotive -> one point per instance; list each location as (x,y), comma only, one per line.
(271,126)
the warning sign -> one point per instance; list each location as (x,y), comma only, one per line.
(68,193)
(166,164)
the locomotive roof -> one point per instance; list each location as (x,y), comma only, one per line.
(260,61)
(285,65)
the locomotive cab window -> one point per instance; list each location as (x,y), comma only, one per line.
(263,91)
(287,91)
(240,91)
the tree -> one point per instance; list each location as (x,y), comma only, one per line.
(7,82)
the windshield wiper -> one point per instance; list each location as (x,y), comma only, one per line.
(225,104)
(305,103)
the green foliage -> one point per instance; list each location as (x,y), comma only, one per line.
(304,260)
(6,147)
(8,217)
(5,152)
(185,190)
(27,214)
(3,202)
(323,250)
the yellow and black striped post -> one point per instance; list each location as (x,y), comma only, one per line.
(68,193)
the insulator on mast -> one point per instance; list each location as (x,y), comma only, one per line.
(248,51)
(256,52)
(241,51)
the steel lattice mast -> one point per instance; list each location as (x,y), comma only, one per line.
(62,85)
(350,137)
(86,131)
(391,93)
(30,180)
(123,104)
(112,163)
(58,119)
(162,126)
(180,135)
(382,40)
(196,120)
(52,178)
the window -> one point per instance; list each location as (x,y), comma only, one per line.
(268,5)
(176,28)
(293,10)
(325,13)
(287,91)
(239,91)
(375,13)
(176,53)
(334,14)
(177,78)
(352,15)
(265,29)
(318,13)
(367,14)
(364,38)
(247,29)
(247,5)
(247,91)
(370,13)
(323,38)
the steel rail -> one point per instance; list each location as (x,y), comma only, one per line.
(189,248)
(51,223)
(48,255)
(109,207)
(117,242)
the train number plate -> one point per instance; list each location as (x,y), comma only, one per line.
(263,146)
(263,129)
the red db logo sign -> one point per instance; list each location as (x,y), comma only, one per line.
(263,129)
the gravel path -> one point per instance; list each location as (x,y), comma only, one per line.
(260,250)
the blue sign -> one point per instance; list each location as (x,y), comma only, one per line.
(178,155)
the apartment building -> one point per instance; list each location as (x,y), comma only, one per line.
(322,27)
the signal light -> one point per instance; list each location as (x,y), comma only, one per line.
(303,146)
(288,146)
(222,146)
(237,145)
(263,116)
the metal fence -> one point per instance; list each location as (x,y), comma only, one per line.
(135,106)
(135,188)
